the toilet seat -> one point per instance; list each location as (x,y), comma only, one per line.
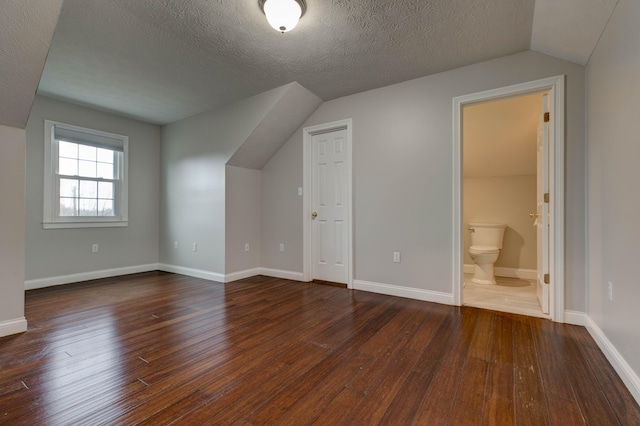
(483,250)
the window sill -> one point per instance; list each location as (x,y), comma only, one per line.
(88,224)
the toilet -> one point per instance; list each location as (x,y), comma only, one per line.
(486,242)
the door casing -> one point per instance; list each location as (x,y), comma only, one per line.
(555,87)
(307,196)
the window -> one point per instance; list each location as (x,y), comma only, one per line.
(85,180)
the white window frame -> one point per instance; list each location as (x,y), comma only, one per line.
(51,218)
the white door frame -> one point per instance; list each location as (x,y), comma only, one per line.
(555,87)
(307,195)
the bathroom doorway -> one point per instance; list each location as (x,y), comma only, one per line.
(507,157)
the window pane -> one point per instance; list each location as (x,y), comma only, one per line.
(68,167)
(68,206)
(88,207)
(68,188)
(88,189)
(87,152)
(105,208)
(105,171)
(105,155)
(105,190)
(68,149)
(87,168)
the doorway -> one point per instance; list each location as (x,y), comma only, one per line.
(554,274)
(327,201)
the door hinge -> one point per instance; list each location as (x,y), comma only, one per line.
(546,197)
(547,117)
(546,278)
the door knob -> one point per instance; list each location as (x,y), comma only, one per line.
(314,215)
(533,215)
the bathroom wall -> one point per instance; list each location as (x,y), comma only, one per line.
(508,200)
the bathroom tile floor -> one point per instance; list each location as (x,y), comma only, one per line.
(514,295)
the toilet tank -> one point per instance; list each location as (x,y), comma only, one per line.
(487,234)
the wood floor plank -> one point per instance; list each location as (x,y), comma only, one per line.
(160,348)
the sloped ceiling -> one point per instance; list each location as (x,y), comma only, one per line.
(569,29)
(26,29)
(499,137)
(293,108)
(163,60)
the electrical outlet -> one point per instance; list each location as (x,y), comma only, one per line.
(94,248)
(610,289)
(246,247)
(195,247)
(175,245)
(281,248)
(396,257)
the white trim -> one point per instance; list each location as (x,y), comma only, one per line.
(408,292)
(13,326)
(78,224)
(576,318)
(50,218)
(501,271)
(280,273)
(624,370)
(86,276)
(240,275)
(555,87)
(307,198)
(191,272)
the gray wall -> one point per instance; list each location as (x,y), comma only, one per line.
(243,219)
(508,200)
(194,153)
(402,165)
(12,210)
(613,87)
(57,252)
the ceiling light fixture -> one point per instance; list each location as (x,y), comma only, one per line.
(283,15)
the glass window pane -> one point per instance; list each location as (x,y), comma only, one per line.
(105,190)
(68,206)
(86,168)
(87,152)
(105,208)
(88,189)
(105,155)
(105,171)
(88,207)
(67,149)
(68,188)
(68,167)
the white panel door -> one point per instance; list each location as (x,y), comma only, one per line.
(330,207)
(542,211)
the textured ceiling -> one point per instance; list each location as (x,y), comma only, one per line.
(26,28)
(163,60)
(499,137)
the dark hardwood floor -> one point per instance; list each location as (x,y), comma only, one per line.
(159,348)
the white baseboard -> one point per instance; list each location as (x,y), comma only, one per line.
(191,272)
(14,326)
(408,292)
(280,273)
(240,275)
(576,318)
(525,274)
(86,276)
(624,370)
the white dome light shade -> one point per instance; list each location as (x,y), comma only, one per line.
(283,15)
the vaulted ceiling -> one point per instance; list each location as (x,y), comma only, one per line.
(163,60)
